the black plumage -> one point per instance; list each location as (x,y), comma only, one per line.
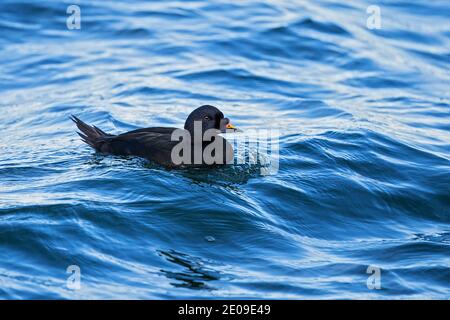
(155,143)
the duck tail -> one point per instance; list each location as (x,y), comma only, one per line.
(91,135)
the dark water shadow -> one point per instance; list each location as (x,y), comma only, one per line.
(231,177)
(195,273)
(228,176)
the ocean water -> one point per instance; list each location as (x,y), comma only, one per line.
(362,193)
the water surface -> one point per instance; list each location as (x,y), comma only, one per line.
(364,172)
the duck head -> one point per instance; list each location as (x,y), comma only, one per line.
(210,118)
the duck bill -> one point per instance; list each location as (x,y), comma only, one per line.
(230,128)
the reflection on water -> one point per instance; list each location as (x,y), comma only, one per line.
(195,273)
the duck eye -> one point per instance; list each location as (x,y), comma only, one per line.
(207,118)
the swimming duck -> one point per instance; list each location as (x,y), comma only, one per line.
(171,147)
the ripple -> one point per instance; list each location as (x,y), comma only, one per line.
(322,27)
(364,161)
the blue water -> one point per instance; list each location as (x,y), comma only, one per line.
(364,172)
